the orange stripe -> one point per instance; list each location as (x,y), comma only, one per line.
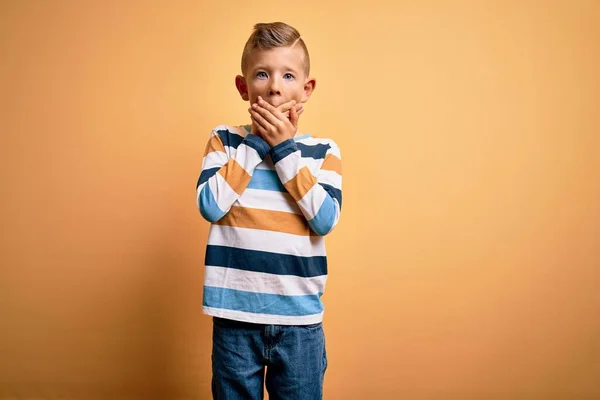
(235,175)
(332,163)
(299,185)
(266,220)
(214,144)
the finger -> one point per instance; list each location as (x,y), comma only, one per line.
(272,109)
(285,107)
(260,121)
(268,115)
(261,132)
(258,129)
(294,117)
(299,110)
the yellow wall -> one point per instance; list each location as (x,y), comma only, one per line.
(466,262)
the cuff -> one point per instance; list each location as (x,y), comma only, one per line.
(258,144)
(283,150)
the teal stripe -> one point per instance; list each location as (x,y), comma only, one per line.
(262,303)
(322,223)
(266,179)
(306,136)
(208,205)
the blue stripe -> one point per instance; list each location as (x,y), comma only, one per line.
(230,139)
(206,174)
(316,151)
(261,261)
(263,303)
(208,205)
(333,192)
(322,223)
(266,179)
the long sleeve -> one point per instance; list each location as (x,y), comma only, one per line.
(227,172)
(318,197)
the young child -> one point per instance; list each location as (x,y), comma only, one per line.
(271,195)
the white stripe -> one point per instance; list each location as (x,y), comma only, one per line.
(260,282)
(314,164)
(247,157)
(311,141)
(269,241)
(214,159)
(331,178)
(335,150)
(288,167)
(231,152)
(311,203)
(268,200)
(309,162)
(223,193)
(267,163)
(257,318)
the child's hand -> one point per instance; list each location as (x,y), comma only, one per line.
(285,108)
(273,125)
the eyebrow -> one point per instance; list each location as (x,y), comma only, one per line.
(286,67)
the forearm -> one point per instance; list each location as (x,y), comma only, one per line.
(319,198)
(224,179)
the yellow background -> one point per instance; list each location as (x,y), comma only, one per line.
(465,265)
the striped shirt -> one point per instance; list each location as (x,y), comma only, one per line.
(269,210)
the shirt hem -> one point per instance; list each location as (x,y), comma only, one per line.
(267,319)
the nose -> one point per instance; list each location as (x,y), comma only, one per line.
(274,87)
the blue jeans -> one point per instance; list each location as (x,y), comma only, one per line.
(294,358)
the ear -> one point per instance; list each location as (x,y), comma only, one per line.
(240,84)
(309,87)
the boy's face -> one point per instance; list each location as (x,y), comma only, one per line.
(277,75)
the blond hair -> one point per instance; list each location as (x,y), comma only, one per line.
(271,35)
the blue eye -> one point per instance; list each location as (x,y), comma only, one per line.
(288,76)
(261,75)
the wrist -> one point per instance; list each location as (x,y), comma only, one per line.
(283,149)
(277,141)
(258,144)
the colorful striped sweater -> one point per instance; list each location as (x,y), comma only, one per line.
(269,210)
